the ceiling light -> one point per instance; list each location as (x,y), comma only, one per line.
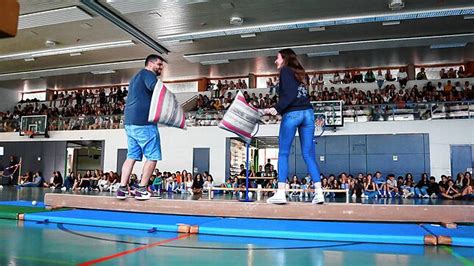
(73,69)
(29,59)
(396,4)
(215,62)
(391,23)
(186,41)
(52,17)
(67,50)
(75,54)
(236,21)
(447,45)
(248,35)
(101,72)
(31,77)
(330,53)
(313,29)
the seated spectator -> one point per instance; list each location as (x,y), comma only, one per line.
(448,87)
(357,77)
(380,78)
(451,73)
(336,79)
(380,183)
(198,184)
(443,74)
(388,76)
(439,87)
(402,77)
(369,76)
(452,191)
(56,182)
(370,188)
(37,180)
(392,186)
(421,188)
(347,78)
(103,183)
(409,188)
(295,184)
(462,73)
(421,75)
(433,188)
(314,82)
(320,82)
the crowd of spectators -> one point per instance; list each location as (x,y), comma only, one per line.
(87,109)
(184,182)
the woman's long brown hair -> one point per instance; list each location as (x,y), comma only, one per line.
(290,60)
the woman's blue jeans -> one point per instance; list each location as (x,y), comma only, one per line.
(303,121)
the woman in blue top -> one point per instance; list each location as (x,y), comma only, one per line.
(297,114)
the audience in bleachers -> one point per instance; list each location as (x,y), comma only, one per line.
(88,109)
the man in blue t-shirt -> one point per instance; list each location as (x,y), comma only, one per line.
(142,136)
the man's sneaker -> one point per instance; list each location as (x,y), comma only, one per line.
(318,196)
(142,194)
(278,198)
(122,193)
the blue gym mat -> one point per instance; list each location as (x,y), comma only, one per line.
(314,230)
(463,235)
(23,203)
(139,221)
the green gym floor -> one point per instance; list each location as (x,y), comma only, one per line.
(50,243)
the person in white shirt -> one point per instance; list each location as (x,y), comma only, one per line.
(313,82)
(402,77)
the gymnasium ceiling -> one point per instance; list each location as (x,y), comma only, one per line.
(172,24)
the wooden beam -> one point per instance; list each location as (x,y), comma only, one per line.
(291,211)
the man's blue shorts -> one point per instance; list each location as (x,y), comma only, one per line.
(143,140)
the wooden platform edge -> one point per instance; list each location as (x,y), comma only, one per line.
(290,211)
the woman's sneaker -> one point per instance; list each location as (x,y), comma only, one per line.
(318,196)
(142,194)
(278,198)
(122,193)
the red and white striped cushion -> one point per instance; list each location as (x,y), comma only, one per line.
(241,118)
(165,109)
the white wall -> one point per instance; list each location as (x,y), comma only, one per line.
(10,98)
(177,145)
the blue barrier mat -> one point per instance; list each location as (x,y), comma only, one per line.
(463,235)
(314,230)
(23,203)
(139,221)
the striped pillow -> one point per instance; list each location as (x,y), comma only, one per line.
(241,118)
(165,109)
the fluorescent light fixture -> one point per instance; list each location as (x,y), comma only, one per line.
(67,50)
(313,29)
(31,77)
(52,17)
(215,62)
(322,23)
(73,70)
(75,54)
(469,17)
(101,72)
(248,35)
(186,41)
(29,59)
(447,45)
(391,23)
(330,53)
